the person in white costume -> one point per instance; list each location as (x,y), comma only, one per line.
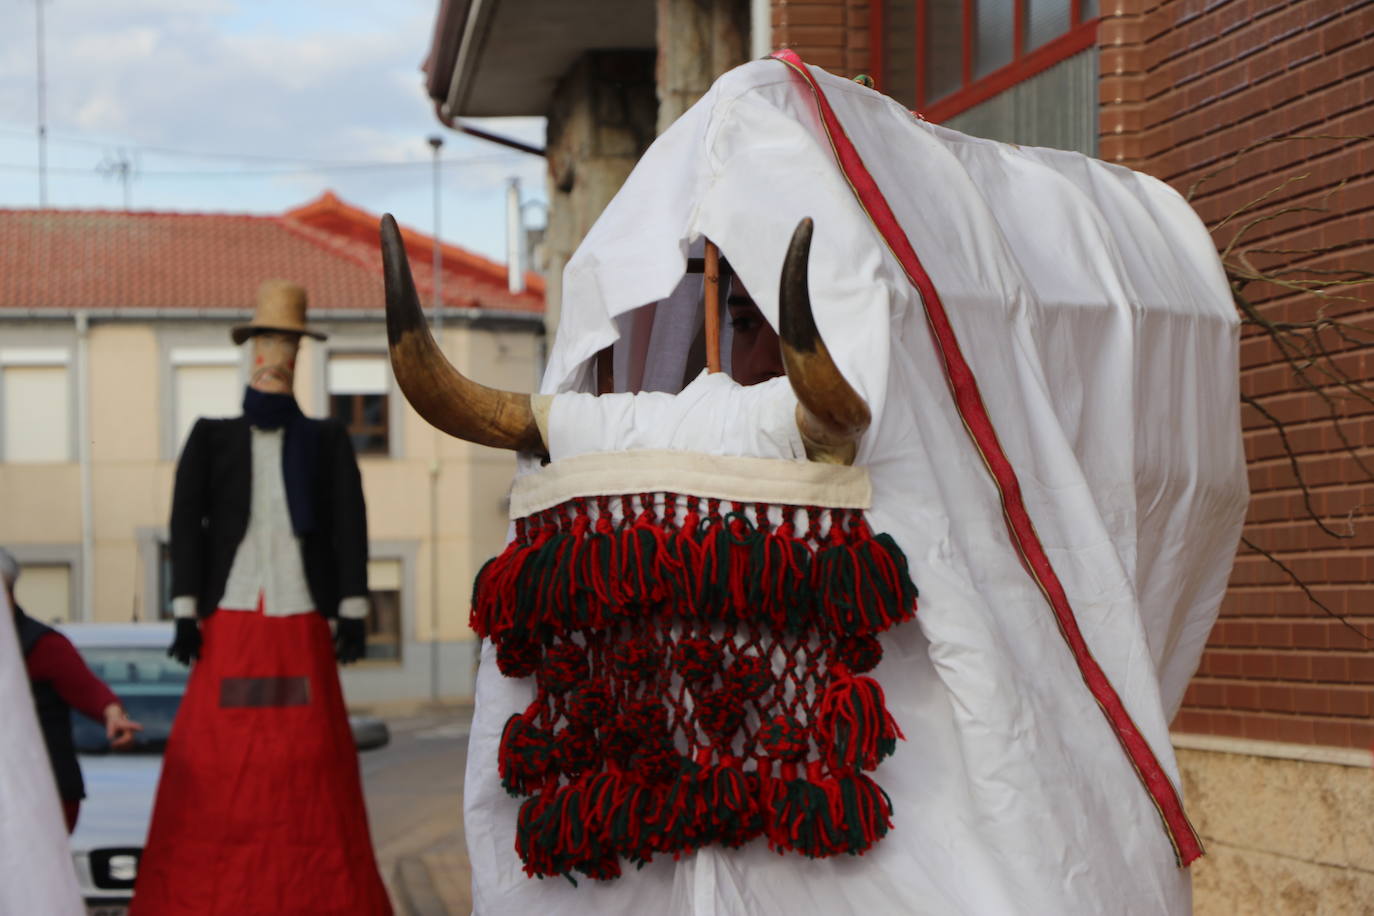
(36,873)
(1048,350)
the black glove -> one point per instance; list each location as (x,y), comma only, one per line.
(186,644)
(350,639)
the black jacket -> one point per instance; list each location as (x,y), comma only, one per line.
(210,515)
(54,715)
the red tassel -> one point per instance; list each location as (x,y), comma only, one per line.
(525,757)
(783,586)
(853,727)
(743,537)
(686,542)
(598,572)
(493,593)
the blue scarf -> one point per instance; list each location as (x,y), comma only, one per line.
(299,451)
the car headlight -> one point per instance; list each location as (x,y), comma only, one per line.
(115,868)
(123,867)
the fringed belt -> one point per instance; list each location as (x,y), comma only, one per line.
(700,670)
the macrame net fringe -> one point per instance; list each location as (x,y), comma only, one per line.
(700,672)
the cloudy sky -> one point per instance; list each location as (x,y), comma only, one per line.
(247,106)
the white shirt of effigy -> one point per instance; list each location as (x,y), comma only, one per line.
(268,562)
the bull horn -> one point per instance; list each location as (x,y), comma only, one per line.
(441,394)
(831,415)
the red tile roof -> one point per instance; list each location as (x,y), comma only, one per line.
(99,259)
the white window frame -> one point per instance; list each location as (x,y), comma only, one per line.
(52,356)
(68,555)
(396,407)
(202,346)
(404,551)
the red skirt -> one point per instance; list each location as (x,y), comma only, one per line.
(260,806)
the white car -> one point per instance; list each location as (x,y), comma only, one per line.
(120,786)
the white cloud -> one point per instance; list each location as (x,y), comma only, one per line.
(307,79)
(114,49)
(102,112)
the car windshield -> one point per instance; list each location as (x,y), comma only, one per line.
(148,683)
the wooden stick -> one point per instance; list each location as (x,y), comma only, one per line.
(712,280)
(605,373)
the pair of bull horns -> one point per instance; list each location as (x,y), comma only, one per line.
(830,414)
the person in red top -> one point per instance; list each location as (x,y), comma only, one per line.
(61,682)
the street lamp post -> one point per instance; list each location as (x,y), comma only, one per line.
(436,143)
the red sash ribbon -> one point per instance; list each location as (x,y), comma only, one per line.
(969,402)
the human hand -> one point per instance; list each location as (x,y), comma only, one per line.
(186,644)
(119,728)
(350,640)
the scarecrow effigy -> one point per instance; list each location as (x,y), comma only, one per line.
(259,807)
(1010,381)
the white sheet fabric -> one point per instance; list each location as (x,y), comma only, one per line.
(1089,302)
(36,873)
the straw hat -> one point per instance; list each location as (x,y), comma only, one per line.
(281,307)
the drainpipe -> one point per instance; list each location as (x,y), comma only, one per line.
(453,123)
(760,29)
(435,143)
(83,453)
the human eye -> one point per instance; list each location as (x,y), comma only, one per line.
(743,324)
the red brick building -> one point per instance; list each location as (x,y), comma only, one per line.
(1199,95)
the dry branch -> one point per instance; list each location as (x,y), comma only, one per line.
(1303,344)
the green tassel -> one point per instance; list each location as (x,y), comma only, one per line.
(713,582)
(803,820)
(866,812)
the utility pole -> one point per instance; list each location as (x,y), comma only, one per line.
(42,110)
(436,143)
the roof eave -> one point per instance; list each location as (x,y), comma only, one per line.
(511,54)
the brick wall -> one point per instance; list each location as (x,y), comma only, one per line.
(1187,86)
(828,33)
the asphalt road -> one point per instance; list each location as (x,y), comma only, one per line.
(414,789)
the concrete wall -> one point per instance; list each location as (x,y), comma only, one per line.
(698,40)
(600,120)
(1284,835)
(610,105)
(429,480)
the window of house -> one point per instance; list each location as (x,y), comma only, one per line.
(941,57)
(35,405)
(205,383)
(357,387)
(384,617)
(44,591)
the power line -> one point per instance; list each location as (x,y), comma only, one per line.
(197,154)
(377,166)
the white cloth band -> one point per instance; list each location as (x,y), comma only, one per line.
(749,480)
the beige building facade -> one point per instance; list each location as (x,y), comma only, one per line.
(95,405)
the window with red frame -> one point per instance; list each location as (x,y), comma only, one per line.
(941,57)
